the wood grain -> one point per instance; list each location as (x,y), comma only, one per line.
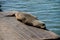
(11,29)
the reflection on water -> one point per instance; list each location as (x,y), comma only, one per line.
(46,10)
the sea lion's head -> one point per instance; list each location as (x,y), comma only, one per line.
(39,24)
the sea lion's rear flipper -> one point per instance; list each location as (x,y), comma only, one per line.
(10,15)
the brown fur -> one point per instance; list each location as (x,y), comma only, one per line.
(24,17)
(28,19)
(35,23)
(21,16)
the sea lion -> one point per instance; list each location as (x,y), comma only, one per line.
(28,19)
(21,16)
(34,22)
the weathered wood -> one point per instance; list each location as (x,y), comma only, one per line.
(11,29)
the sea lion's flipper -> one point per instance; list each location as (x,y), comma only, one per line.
(11,15)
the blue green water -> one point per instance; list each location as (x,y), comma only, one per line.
(47,11)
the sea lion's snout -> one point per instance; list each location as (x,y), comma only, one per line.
(43,24)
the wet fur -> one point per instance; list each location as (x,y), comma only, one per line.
(26,19)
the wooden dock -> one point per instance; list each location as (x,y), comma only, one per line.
(11,29)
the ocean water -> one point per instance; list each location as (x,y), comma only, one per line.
(47,11)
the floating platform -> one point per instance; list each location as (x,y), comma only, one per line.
(11,29)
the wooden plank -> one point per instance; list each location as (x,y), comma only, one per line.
(11,29)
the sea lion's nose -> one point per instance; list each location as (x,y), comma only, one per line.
(43,24)
(0,8)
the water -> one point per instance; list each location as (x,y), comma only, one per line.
(46,10)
